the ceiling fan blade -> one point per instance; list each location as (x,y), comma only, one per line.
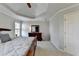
(29,5)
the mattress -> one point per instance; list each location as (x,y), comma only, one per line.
(16,47)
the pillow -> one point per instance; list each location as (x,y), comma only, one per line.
(5,38)
(0,40)
(4,32)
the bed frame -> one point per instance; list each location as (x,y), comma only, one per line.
(4,29)
(31,51)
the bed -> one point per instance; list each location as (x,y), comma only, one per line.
(19,46)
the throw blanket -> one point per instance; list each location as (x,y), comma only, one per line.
(16,47)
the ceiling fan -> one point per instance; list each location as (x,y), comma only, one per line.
(29,5)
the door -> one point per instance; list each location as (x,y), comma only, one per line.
(71,33)
(66,33)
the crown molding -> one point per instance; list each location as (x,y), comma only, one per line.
(7,11)
(62,10)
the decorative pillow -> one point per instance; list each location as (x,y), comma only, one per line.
(5,38)
(0,40)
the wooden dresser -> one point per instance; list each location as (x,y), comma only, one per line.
(38,34)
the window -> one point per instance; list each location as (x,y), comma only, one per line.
(21,29)
(17,29)
(25,29)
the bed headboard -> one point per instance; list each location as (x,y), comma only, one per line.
(4,29)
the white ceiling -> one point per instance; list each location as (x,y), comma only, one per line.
(22,9)
(54,7)
(38,9)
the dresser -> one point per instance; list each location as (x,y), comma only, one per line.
(38,34)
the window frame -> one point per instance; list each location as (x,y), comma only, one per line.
(17,29)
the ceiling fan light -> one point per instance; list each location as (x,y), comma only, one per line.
(29,5)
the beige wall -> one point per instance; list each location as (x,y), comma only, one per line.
(44,28)
(57,31)
(7,22)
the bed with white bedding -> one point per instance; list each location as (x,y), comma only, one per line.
(17,47)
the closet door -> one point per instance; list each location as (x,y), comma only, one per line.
(71,33)
(67,31)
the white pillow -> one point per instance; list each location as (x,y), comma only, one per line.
(0,40)
(4,32)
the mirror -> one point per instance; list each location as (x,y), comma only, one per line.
(34,28)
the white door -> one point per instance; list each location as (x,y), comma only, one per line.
(66,33)
(71,33)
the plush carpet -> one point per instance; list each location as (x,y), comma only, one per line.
(45,52)
(46,49)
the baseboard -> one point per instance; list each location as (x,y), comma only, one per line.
(61,49)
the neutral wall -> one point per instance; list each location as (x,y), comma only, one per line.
(44,28)
(57,31)
(64,31)
(7,22)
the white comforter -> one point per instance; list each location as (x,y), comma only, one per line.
(16,47)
